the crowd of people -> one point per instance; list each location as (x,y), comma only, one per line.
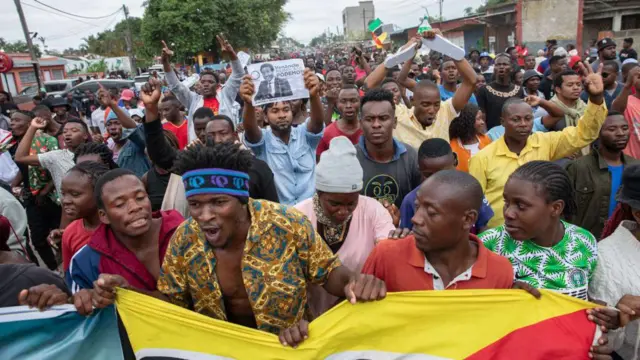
(489,172)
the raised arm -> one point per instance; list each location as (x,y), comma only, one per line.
(105,99)
(231,88)
(573,138)
(22,152)
(311,82)
(252,132)
(468,86)
(619,104)
(555,113)
(161,153)
(332,100)
(403,77)
(376,77)
(184,95)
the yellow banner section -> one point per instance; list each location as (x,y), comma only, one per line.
(434,324)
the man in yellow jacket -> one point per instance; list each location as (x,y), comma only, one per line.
(493,165)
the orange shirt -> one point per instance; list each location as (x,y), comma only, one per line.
(401,265)
(463,154)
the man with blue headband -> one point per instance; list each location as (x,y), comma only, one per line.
(249,261)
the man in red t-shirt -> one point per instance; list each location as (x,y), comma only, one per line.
(442,254)
(175,122)
(348,125)
(522,52)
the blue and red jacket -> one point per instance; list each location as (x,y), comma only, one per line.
(104,254)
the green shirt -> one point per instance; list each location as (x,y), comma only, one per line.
(565,267)
(39,177)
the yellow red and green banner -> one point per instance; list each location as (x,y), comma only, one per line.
(461,324)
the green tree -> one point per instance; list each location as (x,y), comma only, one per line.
(321,39)
(490,3)
(99,66)
(113,42)
(191,26)
(468,11)
(18,47)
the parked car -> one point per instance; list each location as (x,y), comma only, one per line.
(93,86)
(58,87)
(25,97)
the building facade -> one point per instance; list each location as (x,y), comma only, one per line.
(22,75)
(355,19)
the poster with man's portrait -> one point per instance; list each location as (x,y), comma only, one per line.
(278,81)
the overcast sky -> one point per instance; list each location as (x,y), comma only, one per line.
(309,18)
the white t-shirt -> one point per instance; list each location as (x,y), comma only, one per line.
(58,163)
(473,148)
(97,120)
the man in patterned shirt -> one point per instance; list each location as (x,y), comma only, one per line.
(39,195)
(248,261)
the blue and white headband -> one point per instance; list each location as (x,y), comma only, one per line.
(216,181)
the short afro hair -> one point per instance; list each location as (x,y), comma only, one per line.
(203,113)
(434,148)
(468,188)
(107,178)
(378,95)
(209,72)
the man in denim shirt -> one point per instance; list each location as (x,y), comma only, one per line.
(132,142)
(289,152)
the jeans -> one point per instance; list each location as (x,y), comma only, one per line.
(43,218)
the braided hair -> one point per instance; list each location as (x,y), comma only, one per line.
(93,148)
(90,169)
(551,180)
(463,127)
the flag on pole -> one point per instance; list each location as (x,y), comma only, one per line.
(377,33)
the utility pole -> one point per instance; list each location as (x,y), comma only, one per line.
(441,1)
(364,20)
(25,29)
(129,41)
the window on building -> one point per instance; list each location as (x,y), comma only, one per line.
(58,74)
(28,77)
(630,22)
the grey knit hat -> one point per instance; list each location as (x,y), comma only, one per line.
(339,170)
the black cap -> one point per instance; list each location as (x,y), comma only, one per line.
(57,102)
(529,74)
(630,189)
(605,43)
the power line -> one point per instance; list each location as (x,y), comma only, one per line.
(49,12)
(75,33)
(79,16)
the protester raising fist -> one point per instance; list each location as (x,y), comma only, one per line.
(151,92)
(247,89)
(39,123)
(311,82)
